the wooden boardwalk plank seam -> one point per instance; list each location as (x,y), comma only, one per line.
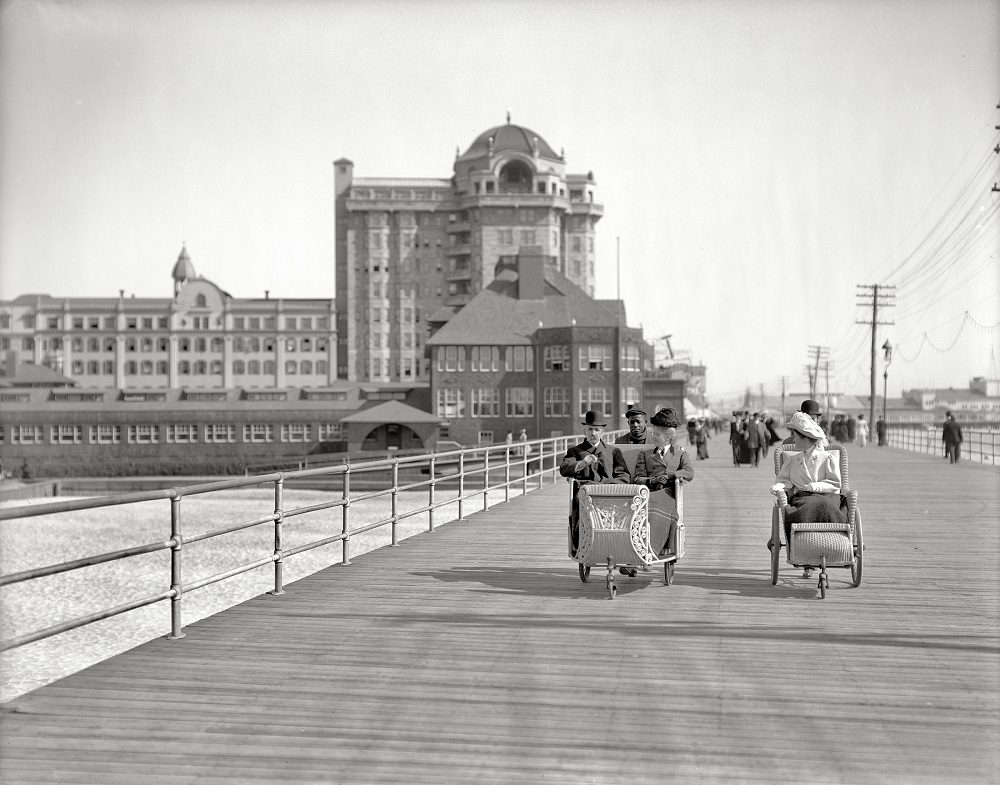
(474,653)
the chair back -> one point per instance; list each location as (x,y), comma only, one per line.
(630,452)
(785,451)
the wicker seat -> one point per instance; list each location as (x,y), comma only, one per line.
(819,545)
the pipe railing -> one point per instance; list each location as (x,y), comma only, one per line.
(978,446)
(523,462)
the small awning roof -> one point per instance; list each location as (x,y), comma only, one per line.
(392,411)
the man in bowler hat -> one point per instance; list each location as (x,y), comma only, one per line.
(591,461)
(811,408)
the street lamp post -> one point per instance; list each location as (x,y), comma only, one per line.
(887,357)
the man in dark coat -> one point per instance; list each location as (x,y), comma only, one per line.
(591,461)
(951,435)
(636,427)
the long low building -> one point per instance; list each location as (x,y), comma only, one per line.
(87,432)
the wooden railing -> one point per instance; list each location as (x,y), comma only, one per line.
(452,478)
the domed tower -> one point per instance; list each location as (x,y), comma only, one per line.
(183,270)
(513,192)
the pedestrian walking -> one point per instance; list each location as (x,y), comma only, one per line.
(951,435)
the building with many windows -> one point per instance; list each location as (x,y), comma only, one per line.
(201,338)
(407,247)
(533,350)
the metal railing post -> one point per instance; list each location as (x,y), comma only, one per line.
(346,530)
(176,542)
(461,484)
(279,520)
(506,474)
(430,500)
(524,471)
(394,500)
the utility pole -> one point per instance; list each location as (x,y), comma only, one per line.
(816,354)
(879,297)
(784,382)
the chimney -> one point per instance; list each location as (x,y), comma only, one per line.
(530,273)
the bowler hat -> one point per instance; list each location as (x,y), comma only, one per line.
(633,411)
(594,418)
(810,407)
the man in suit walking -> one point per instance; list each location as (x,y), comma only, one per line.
(951,435)
(591,461)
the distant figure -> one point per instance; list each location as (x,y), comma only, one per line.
(692,429)
(951,435)
(852,428)
(25,470)
(701,438)
(509,438)
(880,431)
(862,432)
(523,439)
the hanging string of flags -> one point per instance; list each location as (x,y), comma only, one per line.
(926,339)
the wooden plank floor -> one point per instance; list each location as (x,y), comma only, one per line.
(475,654)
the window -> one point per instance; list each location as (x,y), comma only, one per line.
(146,344)
(577,244)
(253,367)
(147,322)
(485,402)
(295,432)
(556,402)
(53,322)
(163,322)
(596,398)
(450,402)
(105,434)
(239,367)
(143,434)
(94,345)
(306,322)
(331,432)
(77,323)
(505,236)
(258,432)
(321,366)
(520,358)
(291,345)
(200,344)
(527,237)
(77,368)
(108,367)
(630,395)
(77,344)
(291,367)
(307,344)
(270,322)
(162,367)
(93,367)
(254,322)
(485,437)
(220,434)
(182,434)
(109,344)
(595,357)
(200,368)
(631,360)
(146,368)
(215,367)
(163,344)
(131,323)
(184,368)
(26,434)
(218,344)
(184,344)
(131,368)
(306,367)
(253,345)
(131,344)
(200,301)
(556,358)
(520,402)
(239,323)
(291,323)
(451,358)
(484,358)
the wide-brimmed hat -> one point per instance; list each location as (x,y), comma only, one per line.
(806,425)
(810,407)
(633,411)
(593,418)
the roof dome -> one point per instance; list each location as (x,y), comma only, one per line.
(183,270)
(509,137)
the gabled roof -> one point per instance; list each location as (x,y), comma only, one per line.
(496,315)
(30,375)
(391,411)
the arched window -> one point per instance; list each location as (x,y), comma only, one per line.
(254,345)
(94,345)
(200,344)
(269,367)
(185,344)
(109,344)
(269,344)
(130,368)
(253,367)
(291,367)
(200,368)
(306,366)
(163,344)
(217,344)
(184,368)
(200,301)
(239,345)
(146,368)
(321,366)
(92,367)
(516,177)
(216,367)
(239,367)
(146,344)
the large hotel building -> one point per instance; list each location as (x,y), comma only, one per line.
(412,251)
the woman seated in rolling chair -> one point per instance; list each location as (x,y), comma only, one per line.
(810,477)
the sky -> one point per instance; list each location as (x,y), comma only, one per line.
(756,161)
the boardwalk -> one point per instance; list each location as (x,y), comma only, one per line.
(475,654)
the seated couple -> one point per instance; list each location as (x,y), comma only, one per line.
(658,468)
